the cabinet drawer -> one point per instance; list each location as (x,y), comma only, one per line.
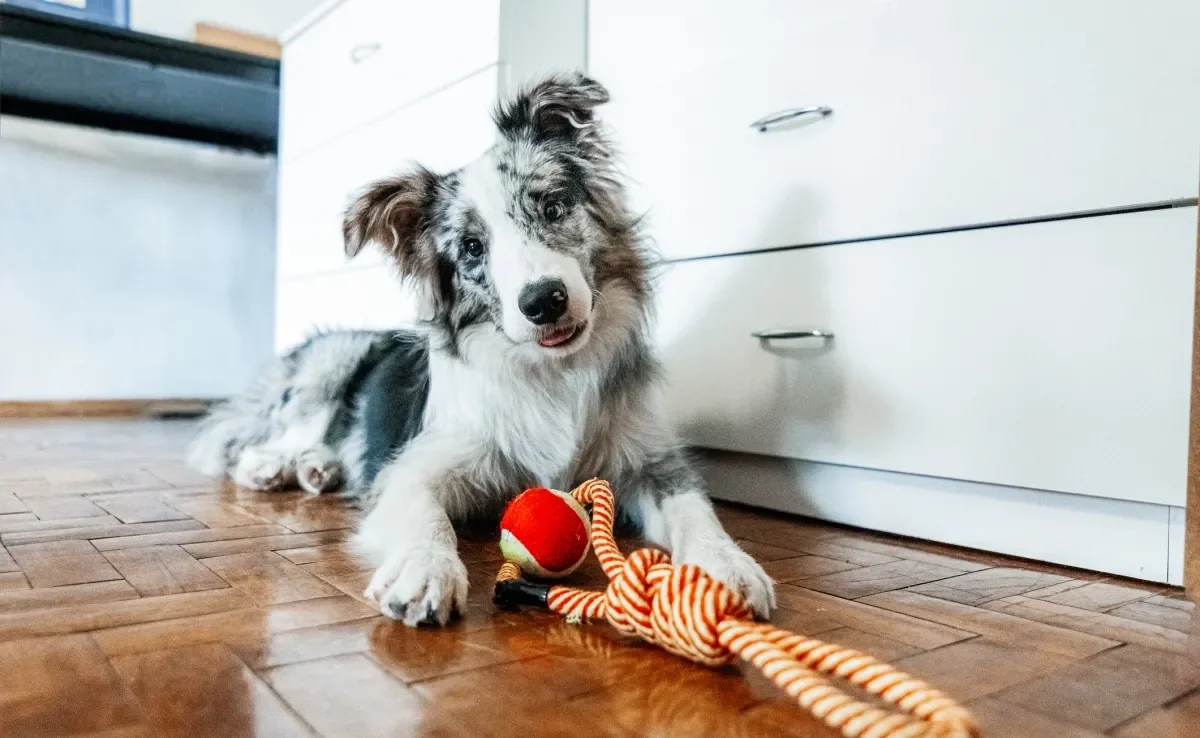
(443,133)
(945,114)
(1053,356)
(360,298)
(674,37)
(370,56)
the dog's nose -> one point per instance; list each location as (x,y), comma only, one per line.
(544,301)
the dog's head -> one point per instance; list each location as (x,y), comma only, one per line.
(523,241)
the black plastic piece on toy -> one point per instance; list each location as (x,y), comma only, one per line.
(510,594)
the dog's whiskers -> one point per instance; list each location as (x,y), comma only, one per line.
(601,300)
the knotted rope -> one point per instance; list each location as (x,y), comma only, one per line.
(687,612)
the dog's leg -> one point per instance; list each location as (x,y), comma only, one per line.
(310,460)
(675,513)
(408,533)
(318,470)
(297,455)
(263,468)
(223,434)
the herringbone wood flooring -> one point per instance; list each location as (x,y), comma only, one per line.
(138,599)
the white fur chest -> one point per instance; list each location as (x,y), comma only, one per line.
(535,417)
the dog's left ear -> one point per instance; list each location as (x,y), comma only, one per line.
(557,107)
(394,214)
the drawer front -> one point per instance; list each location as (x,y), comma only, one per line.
(371,56)
(945,114)
(361,298)
(674,37)
(443,133)
(1052,356)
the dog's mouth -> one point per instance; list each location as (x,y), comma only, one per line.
(560,336)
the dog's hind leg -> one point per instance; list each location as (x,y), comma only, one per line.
(228,429)
(298,455)
(318,470)
(263,468)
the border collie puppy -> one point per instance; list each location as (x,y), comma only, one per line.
(531,367)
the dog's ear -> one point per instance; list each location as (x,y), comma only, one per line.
(557,107)
(394,214)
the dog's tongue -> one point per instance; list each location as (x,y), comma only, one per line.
(557,336)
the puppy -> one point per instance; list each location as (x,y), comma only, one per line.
(531,366)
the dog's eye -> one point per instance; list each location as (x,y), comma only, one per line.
(554,210)
(473,247)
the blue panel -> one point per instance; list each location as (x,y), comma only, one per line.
(108,12)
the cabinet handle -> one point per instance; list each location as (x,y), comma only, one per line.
(763,124)
(785,333)
(362,52)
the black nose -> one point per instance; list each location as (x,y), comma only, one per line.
(543,302)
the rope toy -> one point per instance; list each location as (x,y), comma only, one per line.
(690,614)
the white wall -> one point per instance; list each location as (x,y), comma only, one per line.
(177,18)
(131,267)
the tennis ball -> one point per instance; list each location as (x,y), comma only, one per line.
(545,532)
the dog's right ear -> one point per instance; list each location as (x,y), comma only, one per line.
(559,106)
(394,214)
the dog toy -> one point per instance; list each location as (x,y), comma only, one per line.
(545,532)
(688,613)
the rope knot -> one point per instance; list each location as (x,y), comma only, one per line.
(690,614)
(676,607)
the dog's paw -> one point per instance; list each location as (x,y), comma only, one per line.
(736,568)
(420,584)
(261,470)
(318,472)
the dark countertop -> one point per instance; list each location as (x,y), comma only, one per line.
(59,69)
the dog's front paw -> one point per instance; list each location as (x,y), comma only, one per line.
(735,567)
(420,584)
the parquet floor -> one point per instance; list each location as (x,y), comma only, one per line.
(137,599)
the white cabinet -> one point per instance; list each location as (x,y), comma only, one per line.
(945,114)
(634,44)
(1054,356)
(360,59)
(997,222)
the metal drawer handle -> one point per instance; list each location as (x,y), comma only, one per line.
(785,333)
(763,124)
(362,52)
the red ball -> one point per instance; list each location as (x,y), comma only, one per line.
(545,532)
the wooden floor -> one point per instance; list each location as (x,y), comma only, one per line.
(138,599)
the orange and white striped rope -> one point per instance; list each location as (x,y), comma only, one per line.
(687,612)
